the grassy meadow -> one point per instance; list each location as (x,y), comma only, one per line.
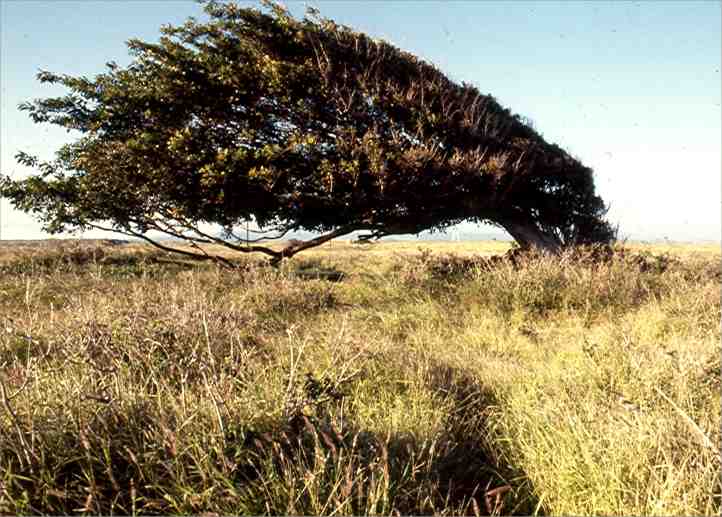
(390,378)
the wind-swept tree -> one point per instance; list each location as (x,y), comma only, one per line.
(294,124)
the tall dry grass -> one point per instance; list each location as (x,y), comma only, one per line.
(422,382)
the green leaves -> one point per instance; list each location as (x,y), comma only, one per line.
(305,124)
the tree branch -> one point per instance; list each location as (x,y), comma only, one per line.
(292,249)
(196,256)
(210,239)
(263,237)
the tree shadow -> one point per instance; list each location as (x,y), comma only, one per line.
(457,472)
(314,269)
(129,460)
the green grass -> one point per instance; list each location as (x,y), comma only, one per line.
(380,379)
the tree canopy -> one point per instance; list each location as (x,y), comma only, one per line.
(254,115)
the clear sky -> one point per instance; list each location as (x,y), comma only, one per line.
(630,88)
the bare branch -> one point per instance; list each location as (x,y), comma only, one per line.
(196,256)
(292,249)
(264,237)
(170,249)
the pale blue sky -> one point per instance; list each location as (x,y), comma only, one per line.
(631,88)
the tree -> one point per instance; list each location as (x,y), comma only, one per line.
(295,125)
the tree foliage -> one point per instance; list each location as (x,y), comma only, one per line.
(254,115)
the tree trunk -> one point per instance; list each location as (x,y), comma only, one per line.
(528,235)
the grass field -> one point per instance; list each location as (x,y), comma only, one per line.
(393,378)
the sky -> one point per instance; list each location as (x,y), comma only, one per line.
(632,89)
